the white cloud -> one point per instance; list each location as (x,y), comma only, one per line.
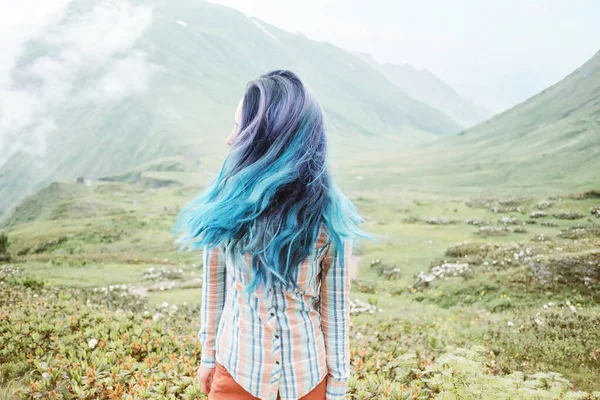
(94,45)
(125,77)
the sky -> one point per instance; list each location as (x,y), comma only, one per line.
(499,51)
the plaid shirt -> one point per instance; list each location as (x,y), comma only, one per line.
(286,341)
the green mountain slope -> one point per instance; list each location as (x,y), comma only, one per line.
(549,142)
(421,84)
(122,86)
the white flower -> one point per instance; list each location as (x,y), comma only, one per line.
(92,343)
(510,323)
(573,309)
(165,304)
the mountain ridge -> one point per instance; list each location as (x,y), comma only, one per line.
(551,139)
(425,86)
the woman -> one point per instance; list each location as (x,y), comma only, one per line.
(277,235)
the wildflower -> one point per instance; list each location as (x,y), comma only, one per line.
(92,343)
(572,308)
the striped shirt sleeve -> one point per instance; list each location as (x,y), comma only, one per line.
(335,321)
(213,302)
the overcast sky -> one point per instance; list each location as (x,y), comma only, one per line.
(513,48)
(498,52)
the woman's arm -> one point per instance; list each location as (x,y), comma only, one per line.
(335,321)
(213,301)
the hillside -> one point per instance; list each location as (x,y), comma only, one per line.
(163,83)
(423,85)
(551,142)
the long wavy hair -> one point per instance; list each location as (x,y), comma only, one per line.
(274,189)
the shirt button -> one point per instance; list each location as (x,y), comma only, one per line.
(272,314)
(276,336)
(277,362)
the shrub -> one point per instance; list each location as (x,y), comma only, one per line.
(73,348)
(582,270)
(549,224)
(486,231)
(467,249)
(542,205)
(568,215)
(509,221)
(477,222)
(364,287)
(162,273)
(537,340)
(443,271)
(590,194)
(439,221)
(580,232)
(388,272)
(538,214)
(4,244)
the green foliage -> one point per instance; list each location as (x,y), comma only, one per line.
(4,244)
(78,345)
(474,308)
(536,341)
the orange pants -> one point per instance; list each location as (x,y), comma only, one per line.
(224,387)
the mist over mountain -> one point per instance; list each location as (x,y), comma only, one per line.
(111,86)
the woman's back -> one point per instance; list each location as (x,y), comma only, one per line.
(277,343)
(277,237)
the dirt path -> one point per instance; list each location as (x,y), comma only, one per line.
(354,265)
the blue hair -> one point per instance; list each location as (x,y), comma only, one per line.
(275,189)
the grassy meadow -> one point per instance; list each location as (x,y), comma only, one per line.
(460,298)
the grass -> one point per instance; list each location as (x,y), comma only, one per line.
(130,233)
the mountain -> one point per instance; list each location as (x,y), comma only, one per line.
(547,143)
(113,85)
(423,85)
